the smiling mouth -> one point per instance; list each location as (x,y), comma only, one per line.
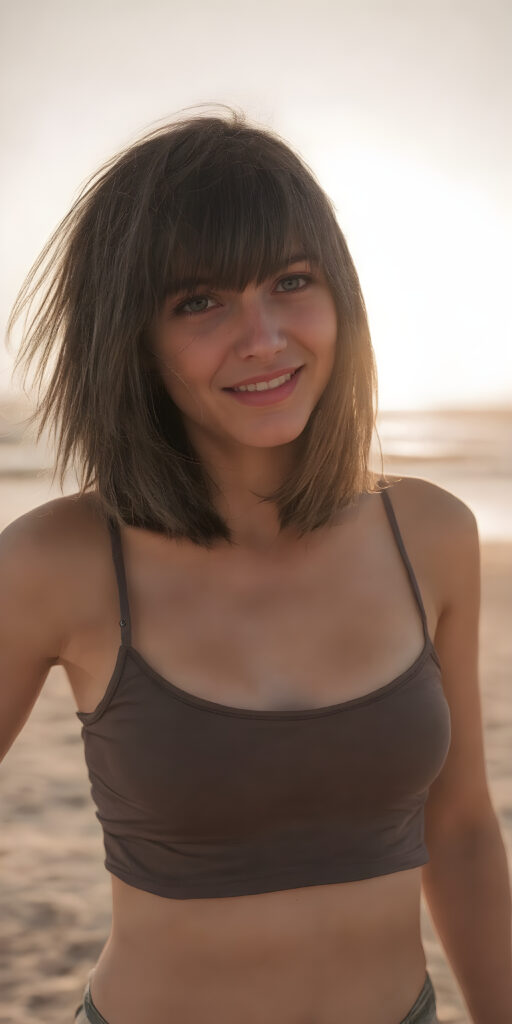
(294,374)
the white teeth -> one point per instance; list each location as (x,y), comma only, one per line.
(266,385)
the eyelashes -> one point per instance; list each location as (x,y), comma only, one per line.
(180,311)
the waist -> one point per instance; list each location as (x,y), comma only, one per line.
(317,982)
(343,925)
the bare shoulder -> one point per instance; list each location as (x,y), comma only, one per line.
(45,543)
(442,527)
(42,569)
(42,530)
(437,507)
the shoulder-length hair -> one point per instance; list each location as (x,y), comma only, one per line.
(205,193)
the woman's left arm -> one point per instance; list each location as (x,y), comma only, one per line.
(466,881)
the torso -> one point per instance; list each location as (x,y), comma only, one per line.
(335,622)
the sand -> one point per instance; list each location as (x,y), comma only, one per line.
(55,893)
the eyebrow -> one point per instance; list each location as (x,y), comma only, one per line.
(193,282)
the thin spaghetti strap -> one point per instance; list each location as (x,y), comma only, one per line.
(398,537)
(117,554)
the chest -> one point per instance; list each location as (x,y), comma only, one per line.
(334,625)
(312,639)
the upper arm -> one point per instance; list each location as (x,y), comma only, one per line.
(459,797)
(30,628)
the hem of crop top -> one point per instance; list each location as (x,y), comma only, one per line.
(276,881)
(89,717)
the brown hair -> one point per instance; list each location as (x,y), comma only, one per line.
(203,193)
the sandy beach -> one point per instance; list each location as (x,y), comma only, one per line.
(55,892)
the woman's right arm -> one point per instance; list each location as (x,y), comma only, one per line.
(31,626)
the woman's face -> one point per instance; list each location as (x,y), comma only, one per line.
(217,339)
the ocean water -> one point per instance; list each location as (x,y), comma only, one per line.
(467,452)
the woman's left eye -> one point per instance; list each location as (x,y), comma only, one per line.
(180,310)
(294,277)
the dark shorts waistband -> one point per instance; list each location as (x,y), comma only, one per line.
(424,1008)
(87,1011)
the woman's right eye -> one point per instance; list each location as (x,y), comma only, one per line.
(180,310)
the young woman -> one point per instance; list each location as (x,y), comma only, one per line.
(246,613)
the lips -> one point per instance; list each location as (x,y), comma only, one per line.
(265,379)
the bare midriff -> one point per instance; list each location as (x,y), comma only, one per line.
(322,954)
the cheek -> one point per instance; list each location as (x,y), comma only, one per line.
(172,354)
(319,321)
(196,363)
(187,368)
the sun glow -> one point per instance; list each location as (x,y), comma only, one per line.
(432,255)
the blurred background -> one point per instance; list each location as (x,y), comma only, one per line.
(402,112)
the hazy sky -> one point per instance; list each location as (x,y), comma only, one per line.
(401,109)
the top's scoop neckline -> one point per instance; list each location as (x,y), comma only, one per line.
(277,714)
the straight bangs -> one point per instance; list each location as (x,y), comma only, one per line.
(208,199)
(243,227)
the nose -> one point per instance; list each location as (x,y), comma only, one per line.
(260,334)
